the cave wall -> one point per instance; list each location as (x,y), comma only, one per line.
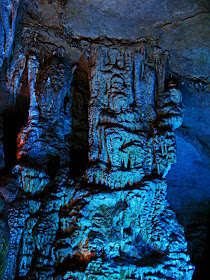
(86,86)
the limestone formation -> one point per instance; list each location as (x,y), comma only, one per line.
(1,144)
(8,14)
(4,237)
(131,117)
(136,225)
(86,196)
(114,222)
(45,139)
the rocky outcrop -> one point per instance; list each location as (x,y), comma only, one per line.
(126,242)
(45,140)
(74,230)
(131,122)
(181,28)
(4,236)
(113,220)
(1,144)
(8,14)
(86,198)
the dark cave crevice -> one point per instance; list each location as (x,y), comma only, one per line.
(79,136)
(13,120)
(198,238)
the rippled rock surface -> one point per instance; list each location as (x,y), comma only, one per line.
(87,138)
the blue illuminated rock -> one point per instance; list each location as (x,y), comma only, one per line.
(131,233)
(102,233)
(44,141)
(131,116)
(17,216)
(114,221)
(2,164)
(9,15)
(4,237)
(107,218)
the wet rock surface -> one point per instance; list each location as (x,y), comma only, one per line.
(92,99)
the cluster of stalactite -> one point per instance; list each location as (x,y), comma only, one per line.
(105,218)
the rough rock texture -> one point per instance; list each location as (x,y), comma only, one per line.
(4,236)
(92,90)
(96,233)
(60,228)
(130,121)
(181,27)
(1,144)
(45,139)
(130,243)
(9,13)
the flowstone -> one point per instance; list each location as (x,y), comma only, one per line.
(44,141)
(126,234)
(114,221)
(131,116)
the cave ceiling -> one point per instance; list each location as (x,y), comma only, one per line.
(180,27)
